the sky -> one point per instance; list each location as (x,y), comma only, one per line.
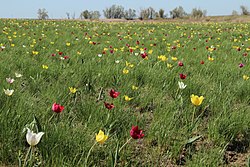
(57,9)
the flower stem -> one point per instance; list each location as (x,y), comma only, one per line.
(125,144)
(193,116)
(86,160)
(26,157)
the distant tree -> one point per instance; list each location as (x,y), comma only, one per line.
(244,10)
(235,13)
(148,13)
(94,15)
(198,13)
(90,15)
(114,12)
(130,14)
(84,14)
(177,12)
(73,16)
(42,14)
(68,15)
(161,13)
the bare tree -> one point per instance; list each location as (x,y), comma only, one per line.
(114,12)
(68,15)
(178,12)
(244,10)
(161,13)
(130,14)
(235,13)
(198,13)
(42,14)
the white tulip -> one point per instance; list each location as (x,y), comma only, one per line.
(33,138)
(181,85)
(8,92)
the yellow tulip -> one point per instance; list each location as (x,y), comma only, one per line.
(134,87)
(101,137)
(72,90)
(245,77)
(125,71)
(45,67)
(196,100)
(127,98)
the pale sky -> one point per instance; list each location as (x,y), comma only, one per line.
(58,8)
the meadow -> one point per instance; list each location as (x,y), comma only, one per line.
(185,85)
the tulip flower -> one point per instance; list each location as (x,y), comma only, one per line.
(181,85)
(196,100)
(182,76)
(127,98)
(113,93)
(109,106)
(45,67)
(136,133)
(180,63)
(8,92)
(72,90)
(18,75)
(101,137)
(10,80)
(33,138)
(125,71)
(134,87)
(241,65)
(57,108)
(245,77)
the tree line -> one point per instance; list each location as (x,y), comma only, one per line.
(119,12)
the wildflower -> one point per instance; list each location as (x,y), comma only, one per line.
(35,52)
(125,71)
(117,61)
(99,55)
(67,44)
(45,67)
(202,62)
(72,90)
(181,85)
(101,137)
(241,65)
(57,108)
(127,98)
(245,77)
(113,93)
(180,63)
(8,92)
(135,133)
(210,58)
(174,58)
(162,58)
(33,138)
(182,76)
(196,100)
(18,75)
(169,65)
(134,87)
(109,105)
(10,80)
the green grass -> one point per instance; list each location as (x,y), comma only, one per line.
(159,107)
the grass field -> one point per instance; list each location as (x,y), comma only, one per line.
(143,63)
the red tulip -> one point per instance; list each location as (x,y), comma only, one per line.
(57,108)
(113,93)
(60,53)
(136,133)
(180,64)
(144,55)
(182,76)
(109,106)
(202,62)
